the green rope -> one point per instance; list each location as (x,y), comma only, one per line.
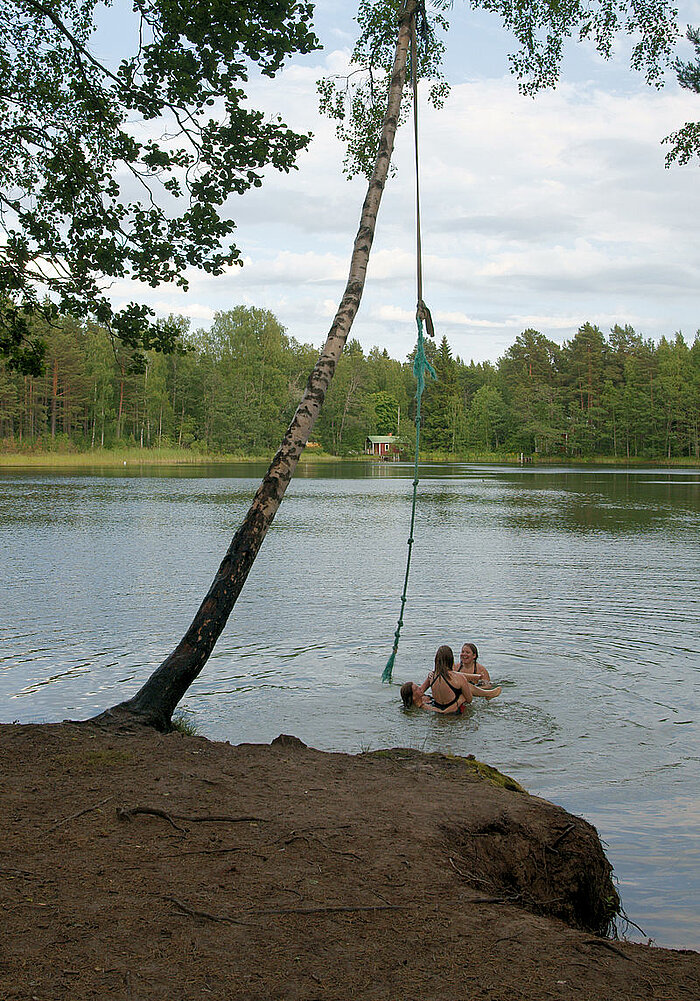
(421,365)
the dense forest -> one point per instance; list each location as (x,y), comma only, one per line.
(238,383)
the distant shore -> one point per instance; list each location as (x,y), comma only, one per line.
(119,457)
(113,458)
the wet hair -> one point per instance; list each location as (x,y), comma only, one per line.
(472,647)
(444,662)
(407,694)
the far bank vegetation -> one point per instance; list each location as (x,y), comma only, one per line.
(613,394)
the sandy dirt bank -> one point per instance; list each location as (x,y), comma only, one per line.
(142,866)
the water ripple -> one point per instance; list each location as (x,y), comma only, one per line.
(580,587)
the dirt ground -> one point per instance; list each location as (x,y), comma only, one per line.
(141,866)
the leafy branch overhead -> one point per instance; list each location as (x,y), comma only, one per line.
(685,143)
(357,102)
(121,172)
(540,28)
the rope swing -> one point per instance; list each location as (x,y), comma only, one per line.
(421,365)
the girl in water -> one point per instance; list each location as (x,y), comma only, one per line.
(469,664)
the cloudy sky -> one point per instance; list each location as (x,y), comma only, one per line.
(537,213)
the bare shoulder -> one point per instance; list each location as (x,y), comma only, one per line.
(459,678)
(480,669)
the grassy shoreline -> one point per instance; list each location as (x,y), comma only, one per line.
(119,457)
(113,458)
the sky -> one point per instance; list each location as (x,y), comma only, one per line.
(545,213)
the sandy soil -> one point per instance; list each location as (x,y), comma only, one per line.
(139,866)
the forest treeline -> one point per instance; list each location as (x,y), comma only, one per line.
(236,387)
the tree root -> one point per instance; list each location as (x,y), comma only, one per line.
(609,946)
(128,813)
(332,909)
(560,837)
(80,813)
(329,909)
(204,914)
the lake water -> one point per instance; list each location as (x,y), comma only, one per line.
(580,587)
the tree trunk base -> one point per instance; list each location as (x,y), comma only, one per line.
(124,717)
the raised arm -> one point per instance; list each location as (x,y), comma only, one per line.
(426,684)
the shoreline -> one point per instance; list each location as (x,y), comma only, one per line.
(114,459)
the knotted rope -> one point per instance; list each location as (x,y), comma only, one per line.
(421,366)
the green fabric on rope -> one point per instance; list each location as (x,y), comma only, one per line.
(421,365)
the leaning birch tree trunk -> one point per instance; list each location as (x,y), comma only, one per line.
(155,703)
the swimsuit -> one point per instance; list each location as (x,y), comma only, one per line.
(446,705)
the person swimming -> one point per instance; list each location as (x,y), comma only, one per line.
(451,690)
(469,664)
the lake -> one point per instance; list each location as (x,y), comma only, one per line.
(579,585)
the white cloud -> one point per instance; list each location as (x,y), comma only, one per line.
(440,317)
(571,323)
(396,313)
(286,268)
(462,320)
(194,310)
(539,321)
(543,213)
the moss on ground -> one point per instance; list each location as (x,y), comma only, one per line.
(469,764)
(98,760)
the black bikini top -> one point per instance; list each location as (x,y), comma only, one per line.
(446,705)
